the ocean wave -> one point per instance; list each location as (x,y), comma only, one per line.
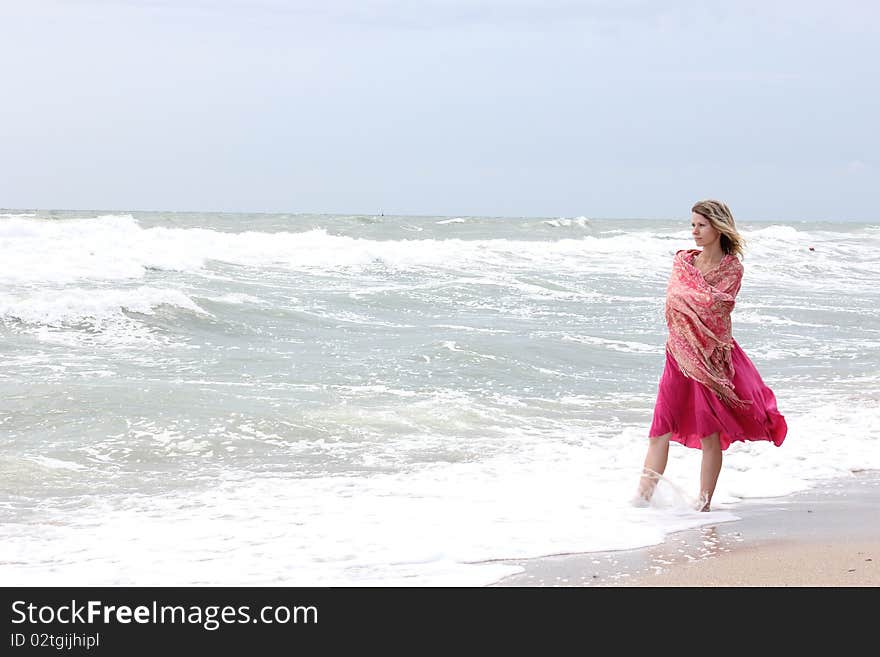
(117,247)
(239,298)
(616,345)
(777,232)
(562,222)
(751,317)
(76,305)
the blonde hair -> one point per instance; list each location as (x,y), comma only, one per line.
(721,219)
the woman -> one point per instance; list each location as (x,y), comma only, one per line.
(710,393)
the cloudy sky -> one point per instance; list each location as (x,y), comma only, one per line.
(603,108)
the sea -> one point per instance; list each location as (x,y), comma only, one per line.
(206,399)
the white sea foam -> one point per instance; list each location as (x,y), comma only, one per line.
(581,222)
(73,305)
(434,526)
(471,329)
(417,529)
(617,345)
(240,298)
(117,247)
(56,464)
(751,317)
(777,232)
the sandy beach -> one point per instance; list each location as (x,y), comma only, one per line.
(827,536)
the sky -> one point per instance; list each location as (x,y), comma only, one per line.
(596,108)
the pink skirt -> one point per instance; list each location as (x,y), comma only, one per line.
(690,411)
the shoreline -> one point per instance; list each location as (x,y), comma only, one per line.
(828,535)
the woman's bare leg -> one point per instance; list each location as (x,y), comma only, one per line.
(709,469)
(655,464)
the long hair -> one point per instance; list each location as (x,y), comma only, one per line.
(721,219)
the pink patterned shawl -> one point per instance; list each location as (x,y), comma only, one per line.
(698,311)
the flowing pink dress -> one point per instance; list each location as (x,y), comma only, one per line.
(690,411)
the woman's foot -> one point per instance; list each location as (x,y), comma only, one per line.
(647,484)
(703,503)
(640,501)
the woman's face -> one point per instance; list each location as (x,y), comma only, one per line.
(704,233)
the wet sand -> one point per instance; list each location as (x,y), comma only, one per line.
(826,536)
